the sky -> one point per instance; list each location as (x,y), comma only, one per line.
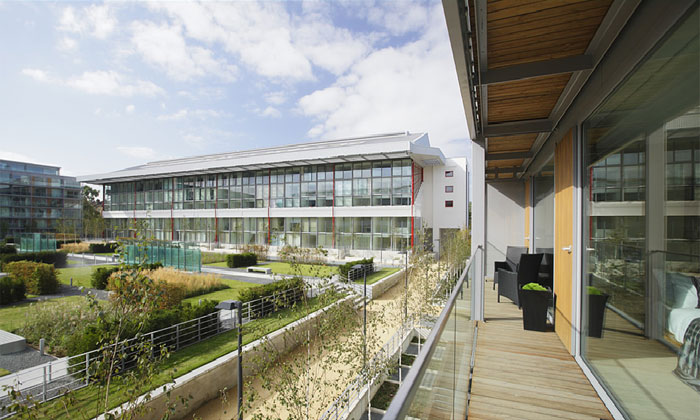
(95,87)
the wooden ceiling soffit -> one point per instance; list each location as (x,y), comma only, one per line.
(537,69)
(525,99)
(508,155)
(507,163)
(518,127)
(516,143)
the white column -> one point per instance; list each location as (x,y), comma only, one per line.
(478,228)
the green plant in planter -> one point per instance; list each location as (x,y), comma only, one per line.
(535,286)
(593,290)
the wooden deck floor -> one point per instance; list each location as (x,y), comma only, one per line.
(526,374)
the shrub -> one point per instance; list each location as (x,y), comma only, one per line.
(11,290)
(535,286)
(58,259)
(213,257)
(78,248)
(100,276)
(101,248)
(294,254)
(38,278)
(193,284)
(270,289)
(61,242)
(593,290)
(260,251)
(241,260)
(345,268)
(7,249)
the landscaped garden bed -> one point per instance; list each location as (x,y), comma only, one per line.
(385,393)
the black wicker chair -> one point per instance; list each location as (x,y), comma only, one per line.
(513,254)
(509,283)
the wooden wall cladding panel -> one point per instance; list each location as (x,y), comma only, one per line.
(504,163)
(517,143)
(564,237)
(528,31)
(525,99)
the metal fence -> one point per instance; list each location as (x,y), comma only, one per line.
(341,407)
(180,256)
(53,379)
(36,242)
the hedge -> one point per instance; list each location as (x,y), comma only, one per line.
(38,278)
(103,247)
(57,258)
(345,268)
(241,260)
(100,275)
(7,249)
(11,290)
(60,242)
(270,289)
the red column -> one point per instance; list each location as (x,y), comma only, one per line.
(269,198)
(333,207)
(172,205)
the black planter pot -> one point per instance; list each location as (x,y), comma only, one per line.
(596,314)
(534,303)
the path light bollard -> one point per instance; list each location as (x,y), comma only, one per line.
(71,281)
(42,343)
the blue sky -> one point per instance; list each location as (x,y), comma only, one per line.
(96,87)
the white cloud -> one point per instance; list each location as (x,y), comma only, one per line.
(399,17)
(138,152)
(276,98)
(164,46)
(194,140)
(37,74)
(112,83)
(413,87)
(67,44)
(19,157)
(271,112)
(129,109)
(98,21)
(193,113)
(101,82)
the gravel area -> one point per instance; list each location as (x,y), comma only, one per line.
(24,359)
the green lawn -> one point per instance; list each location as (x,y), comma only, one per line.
(217,264)
(303,269)
(181,362)
(4,372)
(12,317)
(80,275)
(378,275)
(225,294)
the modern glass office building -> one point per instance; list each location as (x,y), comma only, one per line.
(369,194)
(37,198)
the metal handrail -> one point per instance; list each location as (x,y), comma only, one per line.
(400,404)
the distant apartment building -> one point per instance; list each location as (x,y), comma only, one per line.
(37,198)
(369,194)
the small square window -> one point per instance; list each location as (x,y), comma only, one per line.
(449,174)
(449,203)
(449,188)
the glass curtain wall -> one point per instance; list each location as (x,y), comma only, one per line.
(640,309)
(543,209)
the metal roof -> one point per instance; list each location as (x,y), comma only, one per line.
(357,149)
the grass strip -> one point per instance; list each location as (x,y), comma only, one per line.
(4,372)
(180,363)
(308,270)
(14,316)
(80,275)
(234,289)
(378,275)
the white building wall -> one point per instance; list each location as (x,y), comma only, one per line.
(505,219)
(435,214)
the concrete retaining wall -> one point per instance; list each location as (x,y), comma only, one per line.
(205,382)
(380,287)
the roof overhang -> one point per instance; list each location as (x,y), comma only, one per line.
(388,146)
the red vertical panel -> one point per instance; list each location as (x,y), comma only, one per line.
(333,207)
(269,198)
(172,205)
(216,206)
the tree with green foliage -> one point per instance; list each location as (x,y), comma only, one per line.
(93,222)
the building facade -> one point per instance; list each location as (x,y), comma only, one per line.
(37,198)
(586,143)
(363,194)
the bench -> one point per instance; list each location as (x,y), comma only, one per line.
(266,270)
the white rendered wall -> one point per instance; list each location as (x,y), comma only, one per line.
(435,214)
(505,219)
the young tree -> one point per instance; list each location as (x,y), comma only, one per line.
(93,223)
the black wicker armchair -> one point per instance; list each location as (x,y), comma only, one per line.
(513,254)
(509,283)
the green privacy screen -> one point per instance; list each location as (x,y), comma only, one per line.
(35,242)
(180,256)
